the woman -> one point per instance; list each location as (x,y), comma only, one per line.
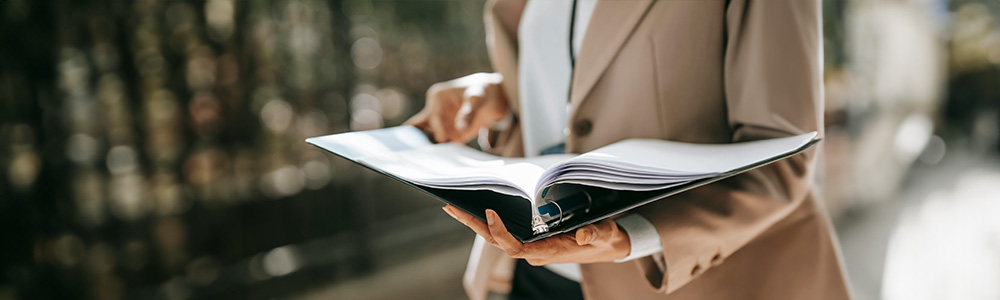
(575,75)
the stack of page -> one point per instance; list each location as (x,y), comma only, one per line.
(645,168)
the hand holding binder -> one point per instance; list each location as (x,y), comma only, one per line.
(544,196)
(598,242)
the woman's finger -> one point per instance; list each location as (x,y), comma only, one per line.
(438,130)
(418,120)
(503,238)
(472,222)
(600,232)
(585,235)
(421,122)
(605,231)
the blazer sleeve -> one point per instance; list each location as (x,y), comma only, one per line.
(773,89)
(501,20)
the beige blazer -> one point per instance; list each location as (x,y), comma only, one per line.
(702,71)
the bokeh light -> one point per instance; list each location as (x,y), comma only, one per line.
(154,149)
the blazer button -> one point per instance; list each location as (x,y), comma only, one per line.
(697,271)
(582,127)
(717,260)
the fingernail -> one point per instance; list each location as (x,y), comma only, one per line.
(585,237)
(449,212)
(491,216)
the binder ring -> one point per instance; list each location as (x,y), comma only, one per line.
(560,214)
(590,202)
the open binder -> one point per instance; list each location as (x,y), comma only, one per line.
(542,196)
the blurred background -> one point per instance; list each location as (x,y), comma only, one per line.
(154,149)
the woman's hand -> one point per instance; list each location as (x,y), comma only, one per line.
(599,242)
(455,110)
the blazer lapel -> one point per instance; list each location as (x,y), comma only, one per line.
(610,26)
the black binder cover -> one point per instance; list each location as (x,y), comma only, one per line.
(516,211)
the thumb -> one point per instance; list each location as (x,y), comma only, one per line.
(586,235)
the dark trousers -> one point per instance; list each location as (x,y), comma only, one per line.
(531,282)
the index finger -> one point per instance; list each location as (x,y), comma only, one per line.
(472,222)
(500,234)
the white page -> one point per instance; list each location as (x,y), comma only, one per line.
(668,160)
(455,165)
(406,152)
(684,158)
(634,164)
(592,175)
(553,174)
(354,145)
(617,186)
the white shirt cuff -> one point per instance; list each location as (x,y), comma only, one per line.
(642,235)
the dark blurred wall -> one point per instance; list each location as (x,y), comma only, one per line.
(154,149)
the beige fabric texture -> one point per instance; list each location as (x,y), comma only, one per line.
(699,71)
